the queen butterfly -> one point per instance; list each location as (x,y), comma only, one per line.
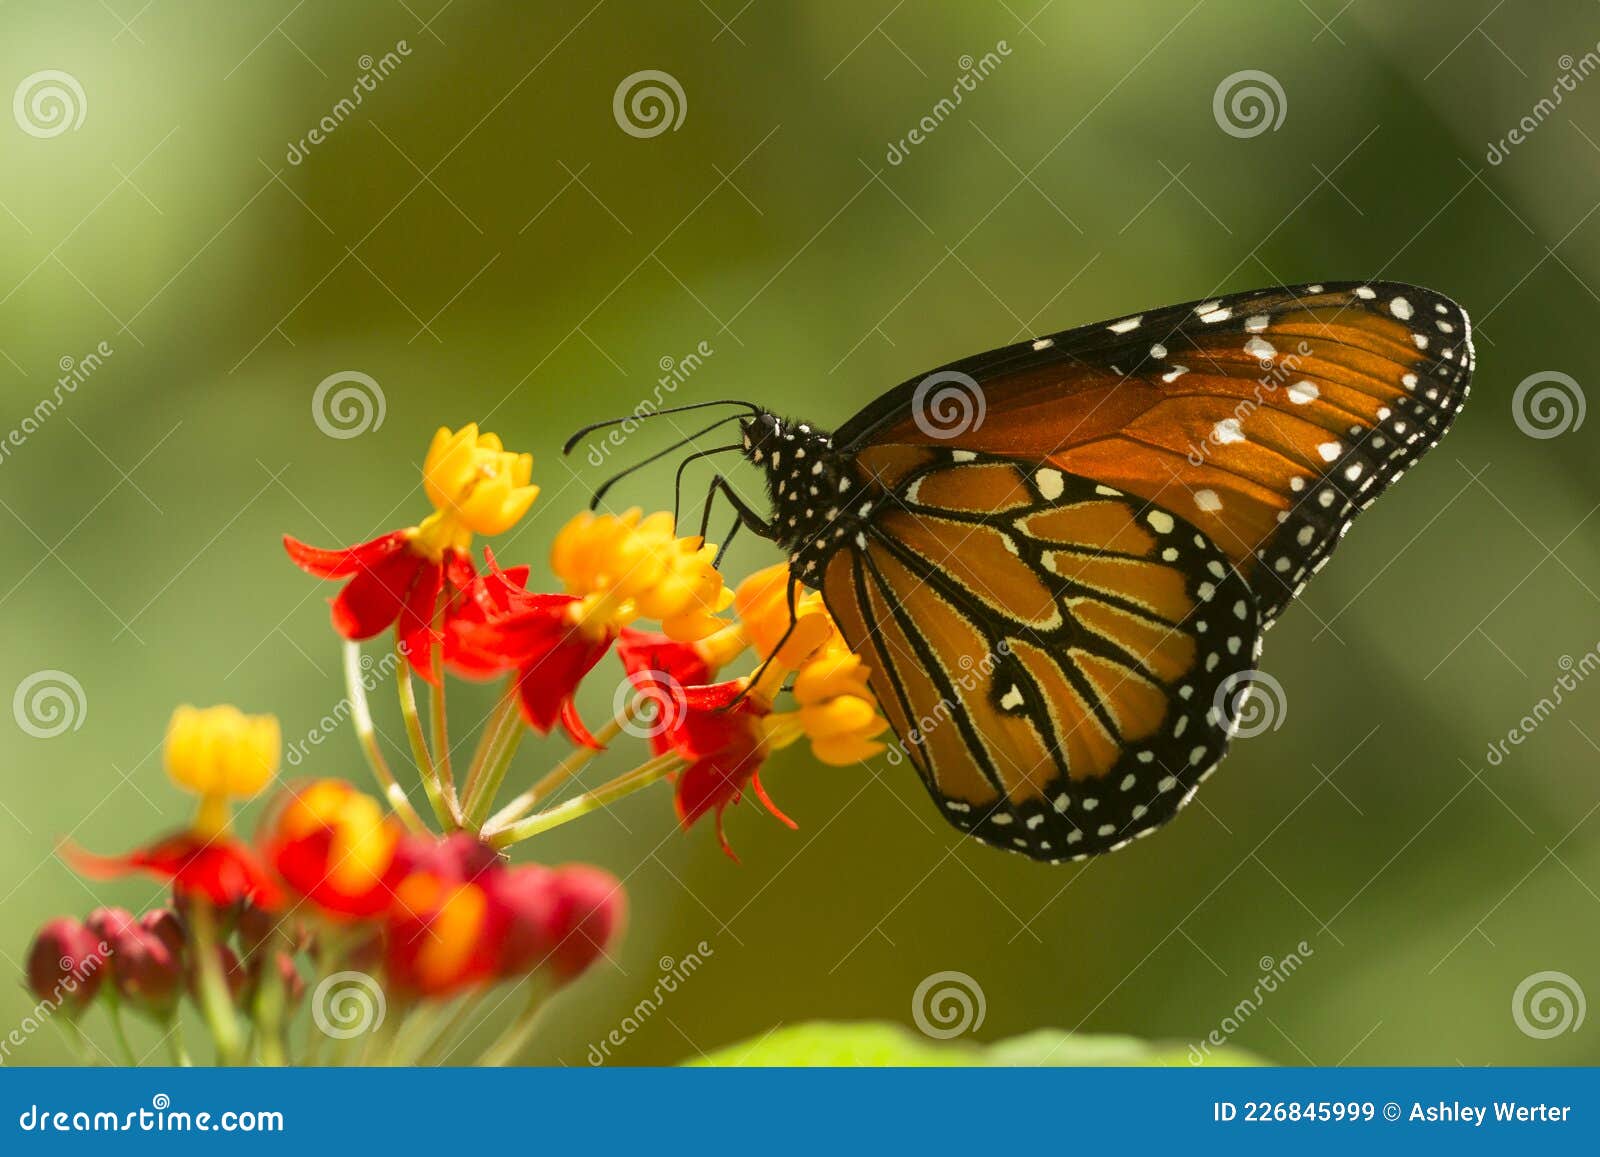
(1058,556)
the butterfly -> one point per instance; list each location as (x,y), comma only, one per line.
(1058,558)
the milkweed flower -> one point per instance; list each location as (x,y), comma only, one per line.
(66,964)
(336,847)
(476,486)
(462,918)
(146,957)
(725,731)
(617,569)
(219,754)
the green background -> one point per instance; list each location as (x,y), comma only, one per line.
(483,239)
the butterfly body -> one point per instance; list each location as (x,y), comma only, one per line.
(1058,557)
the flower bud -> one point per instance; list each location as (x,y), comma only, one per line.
(146,956)
(529,896)
(590,911)
(64,964)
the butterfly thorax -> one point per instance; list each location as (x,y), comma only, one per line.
(815,502)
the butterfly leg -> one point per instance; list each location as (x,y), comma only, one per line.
(794,618)
(747,514)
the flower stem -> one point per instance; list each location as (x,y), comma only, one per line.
(441,731)
(442,1045)
(647,773)
(215,1000)
(515,1038)
(176,1051)
(269,1004)
(361,714)
(426,770)
(489,740)
(494,773)
(574,762)
(119,1030)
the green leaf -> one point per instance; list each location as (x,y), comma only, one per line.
(872,1044)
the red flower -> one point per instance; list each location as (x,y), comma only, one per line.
(220,869)
(336,847)
(463,918)
(391,583)
(716,729)
(500,626)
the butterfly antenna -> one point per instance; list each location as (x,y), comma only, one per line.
(600,491)
(749,407)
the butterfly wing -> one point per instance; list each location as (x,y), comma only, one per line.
(1267,419)
(1053,653)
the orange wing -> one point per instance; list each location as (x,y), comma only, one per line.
(1268,420)
(1053,653)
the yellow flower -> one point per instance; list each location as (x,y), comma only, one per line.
(627,567)
(838,712)
(220,753)
(476,486)
(762,603)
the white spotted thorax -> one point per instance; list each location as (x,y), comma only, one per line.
(815,505)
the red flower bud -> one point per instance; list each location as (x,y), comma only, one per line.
(590,911)
(64,964)
(146,956)
(529,898)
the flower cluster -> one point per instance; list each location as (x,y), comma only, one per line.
(710,734)
(331,878)
(335,882)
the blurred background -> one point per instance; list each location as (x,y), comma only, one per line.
(486,235)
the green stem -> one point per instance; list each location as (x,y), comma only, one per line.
(215,1000)
(489,740)
(441,730)
(119,1030)
(427,771)
(441,1046)
(647,773)
(269,1004)
(575,762)
(361,715)
(514,1039)
(176,1051)
(494,773)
